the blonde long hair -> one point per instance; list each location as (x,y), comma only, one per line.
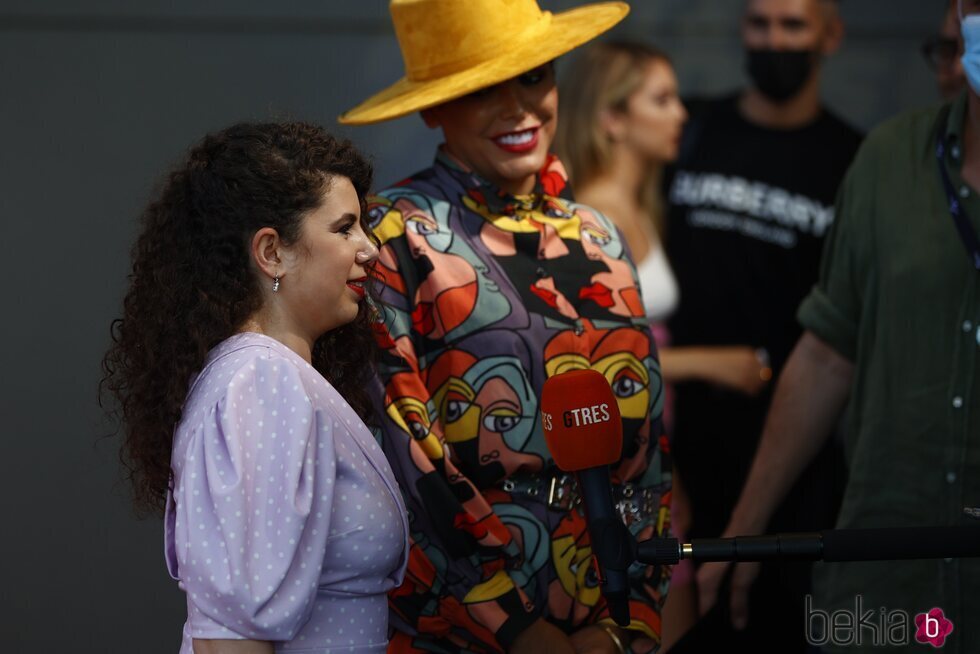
(603,77)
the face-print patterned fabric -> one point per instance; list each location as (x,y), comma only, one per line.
(486,295)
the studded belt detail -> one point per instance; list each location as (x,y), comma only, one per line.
(560,493)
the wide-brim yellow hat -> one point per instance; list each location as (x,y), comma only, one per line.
(455,47)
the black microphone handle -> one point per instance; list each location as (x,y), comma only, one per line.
(883,544)
(612,543)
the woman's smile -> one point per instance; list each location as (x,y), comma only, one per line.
(519,141)
(357,286)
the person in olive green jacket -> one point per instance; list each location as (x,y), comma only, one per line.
(892,330)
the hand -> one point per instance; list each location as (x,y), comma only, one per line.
(542,637)
(740,368)
(709,579)
(589,640)
(595,640)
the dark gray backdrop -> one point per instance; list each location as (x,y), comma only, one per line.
(97,99)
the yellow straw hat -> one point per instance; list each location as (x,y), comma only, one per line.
(454,47)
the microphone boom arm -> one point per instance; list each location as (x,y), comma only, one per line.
(884,544)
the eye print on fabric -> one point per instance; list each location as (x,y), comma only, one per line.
(410,414)
(436,239)
(454,295)
(487,411)
(624,365)
(630,381)
(597,237)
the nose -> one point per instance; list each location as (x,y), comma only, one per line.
(510,99)
(367,253)
(776,37)
(681,112)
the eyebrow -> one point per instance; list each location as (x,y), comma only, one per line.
(345,219)
(784,19)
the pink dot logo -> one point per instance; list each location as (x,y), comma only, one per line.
(932,627)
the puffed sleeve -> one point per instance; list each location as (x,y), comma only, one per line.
(252,503)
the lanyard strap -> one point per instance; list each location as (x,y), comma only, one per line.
(967,234)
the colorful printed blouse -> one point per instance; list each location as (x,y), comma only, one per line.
(485,296)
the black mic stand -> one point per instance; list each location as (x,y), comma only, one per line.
(614,543)
(885,544)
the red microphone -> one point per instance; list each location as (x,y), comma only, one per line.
(582,426)
(584,433)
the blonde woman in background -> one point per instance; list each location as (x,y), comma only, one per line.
(620,123)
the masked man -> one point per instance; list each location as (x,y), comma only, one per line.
(749,204)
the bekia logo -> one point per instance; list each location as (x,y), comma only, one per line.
(879,628)
(932,627)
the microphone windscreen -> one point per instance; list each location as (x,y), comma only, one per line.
(581,421)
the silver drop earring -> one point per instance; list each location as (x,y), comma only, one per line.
(275,284)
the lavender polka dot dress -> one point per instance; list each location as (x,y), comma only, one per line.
(284,522)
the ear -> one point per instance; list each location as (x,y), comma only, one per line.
(267,252)
(833,35)
(613,124)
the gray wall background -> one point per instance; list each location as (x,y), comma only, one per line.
(97,99)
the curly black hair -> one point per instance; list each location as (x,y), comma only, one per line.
(192,283)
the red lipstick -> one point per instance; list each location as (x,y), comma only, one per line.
(518,141)
(357,285)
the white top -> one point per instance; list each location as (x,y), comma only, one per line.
(657,284)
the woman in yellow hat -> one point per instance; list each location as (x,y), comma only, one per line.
(493,281)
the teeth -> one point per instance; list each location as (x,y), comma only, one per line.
(518,138)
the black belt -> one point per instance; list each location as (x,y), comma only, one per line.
(559,492)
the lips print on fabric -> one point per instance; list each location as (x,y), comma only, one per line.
(450,310)
(598,293)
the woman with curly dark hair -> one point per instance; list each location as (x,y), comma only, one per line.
(239,366)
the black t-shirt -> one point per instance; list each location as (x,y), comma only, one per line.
(748,208)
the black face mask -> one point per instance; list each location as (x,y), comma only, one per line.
(780,74)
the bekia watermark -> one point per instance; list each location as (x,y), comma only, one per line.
(880,628)
(933,627)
